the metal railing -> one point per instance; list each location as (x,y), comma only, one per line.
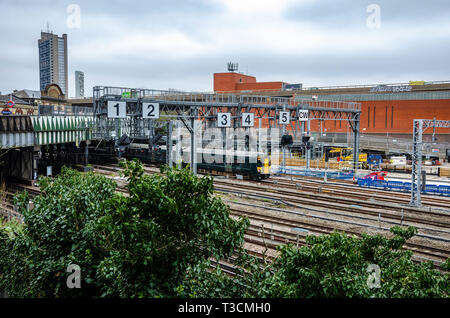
(385,143)
(372,85)
(381,96)
(202,97)
(58,110)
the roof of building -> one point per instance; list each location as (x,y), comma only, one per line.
(27,93)
(13,97)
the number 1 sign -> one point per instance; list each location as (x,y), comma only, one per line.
(117,109)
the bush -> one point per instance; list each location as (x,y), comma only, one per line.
(334,265)
(136,245)
(158,239)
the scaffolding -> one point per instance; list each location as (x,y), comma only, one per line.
(419,127)
(190,106)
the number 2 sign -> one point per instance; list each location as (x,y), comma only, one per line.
(150,110)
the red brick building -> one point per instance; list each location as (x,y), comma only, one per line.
(231,82)
(386,109)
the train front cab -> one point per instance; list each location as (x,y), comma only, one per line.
(263,167)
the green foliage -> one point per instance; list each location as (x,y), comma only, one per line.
(134,245)
(334,265)
(158,240)
(58,231)
(168,223)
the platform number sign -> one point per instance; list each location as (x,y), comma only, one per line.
(223,120)
(248,119)
(150,110)
(284,118)
(117,109)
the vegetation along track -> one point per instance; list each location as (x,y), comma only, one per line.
(282,232)
(440,220)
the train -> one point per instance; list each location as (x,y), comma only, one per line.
(253,165)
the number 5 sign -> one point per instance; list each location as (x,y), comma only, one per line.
(284,118)
(150,110)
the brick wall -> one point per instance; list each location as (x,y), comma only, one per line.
(393,116)
(229,82)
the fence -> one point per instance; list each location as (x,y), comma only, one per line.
(403,186)
(58,110)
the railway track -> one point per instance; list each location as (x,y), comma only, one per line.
(316,197)
(270,240)
(338,203)
(352,191)
(281,227)
(282,230)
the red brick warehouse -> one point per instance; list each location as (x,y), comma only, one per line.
(386,109)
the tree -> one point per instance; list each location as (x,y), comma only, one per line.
(334,265)
(157,240)
(59,230)
(138,244)
(167,224)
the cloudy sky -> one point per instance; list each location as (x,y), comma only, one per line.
(181,43)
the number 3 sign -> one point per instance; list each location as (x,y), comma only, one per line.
(223,120)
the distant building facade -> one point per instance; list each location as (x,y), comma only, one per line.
(232,82)
(53,61)
(79,84)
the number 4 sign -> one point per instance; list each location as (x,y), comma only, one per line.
(248,119)
(150,110)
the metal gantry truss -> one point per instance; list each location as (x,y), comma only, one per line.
(419,127)
(175,105)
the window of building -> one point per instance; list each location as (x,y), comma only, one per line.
(374,109)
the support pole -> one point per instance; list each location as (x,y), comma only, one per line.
(308,150)
(86,154)
(179,163)
(169,160)
(283,164)
(35,158)
(416,171)
(193,148)
(356,143)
